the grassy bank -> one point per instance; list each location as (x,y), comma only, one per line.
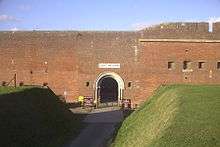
(35,117)
(177,115)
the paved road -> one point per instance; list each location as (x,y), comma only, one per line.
(100,128)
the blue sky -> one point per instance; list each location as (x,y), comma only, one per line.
(102,14)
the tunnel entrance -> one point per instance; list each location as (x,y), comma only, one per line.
(108,90)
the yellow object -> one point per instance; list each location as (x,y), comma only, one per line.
(81,98)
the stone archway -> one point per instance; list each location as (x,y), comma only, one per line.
(108,87)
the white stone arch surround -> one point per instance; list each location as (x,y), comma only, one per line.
(116,77)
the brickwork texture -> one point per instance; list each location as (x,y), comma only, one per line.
(68,60)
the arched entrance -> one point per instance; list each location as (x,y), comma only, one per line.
(108,88)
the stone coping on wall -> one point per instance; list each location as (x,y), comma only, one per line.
(180,40)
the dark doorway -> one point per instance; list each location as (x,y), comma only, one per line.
(108,90)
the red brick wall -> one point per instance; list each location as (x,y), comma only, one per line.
(156,55)
(72,58)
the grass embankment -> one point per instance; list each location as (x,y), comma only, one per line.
(35,117)
(177,115)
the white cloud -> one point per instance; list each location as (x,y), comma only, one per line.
(14,29)
(214,19)
(5,18)
(142,25)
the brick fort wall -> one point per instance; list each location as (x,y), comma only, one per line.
(69,60)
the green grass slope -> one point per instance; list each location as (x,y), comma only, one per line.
(34,117)
(176,116)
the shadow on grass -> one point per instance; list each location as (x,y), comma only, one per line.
(73,105)
(35,117)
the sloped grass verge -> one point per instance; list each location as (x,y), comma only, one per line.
(177,115)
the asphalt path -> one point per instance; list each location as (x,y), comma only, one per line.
(100,127)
